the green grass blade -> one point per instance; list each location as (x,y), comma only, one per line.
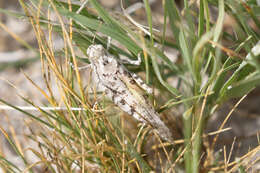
(243,87)
(106,17)
(220,21)
(173,90)
(174,17)
(107,30)
(201,19)
(186,54)
(10,164)
(149,19)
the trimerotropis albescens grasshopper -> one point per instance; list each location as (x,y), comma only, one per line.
(125,89)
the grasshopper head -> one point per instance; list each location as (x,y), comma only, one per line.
(95,51)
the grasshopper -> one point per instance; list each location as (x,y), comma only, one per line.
(125,89)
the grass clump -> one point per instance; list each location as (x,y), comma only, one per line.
(213,67)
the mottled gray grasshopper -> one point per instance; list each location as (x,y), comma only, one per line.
(124,89)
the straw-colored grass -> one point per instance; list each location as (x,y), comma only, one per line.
(100,137)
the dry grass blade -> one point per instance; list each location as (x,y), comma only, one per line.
(82,131)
